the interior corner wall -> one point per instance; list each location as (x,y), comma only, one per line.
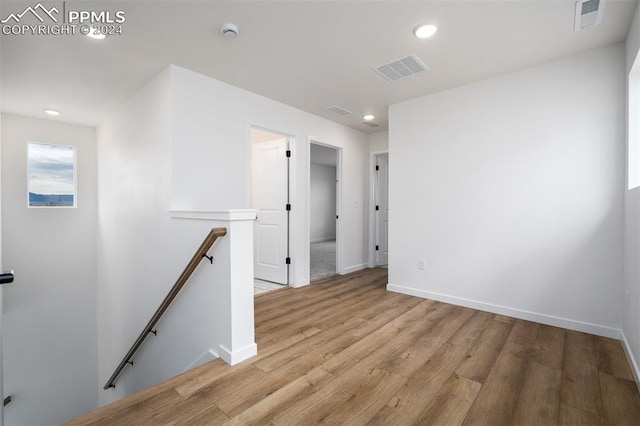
(211,159)
(50,344)
(511,189)
(631,311)
(322,203)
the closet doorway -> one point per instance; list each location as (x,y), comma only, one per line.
(270,198)
(324,190)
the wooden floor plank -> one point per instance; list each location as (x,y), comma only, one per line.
(539,400)
(196,409)
(485,351)
(412,358)
(549,346)
(620,400)
(406,407)
(358,394)
(384,356)
(280,316)
(346,351)
(451,404)
(570,416)
(472,329)
(143,412)
(235,401)
(580,380)
(266,409)
(496,402)
(448,325)
(217,370)
(406,325)
(611,358)
(307,345)
(524,333)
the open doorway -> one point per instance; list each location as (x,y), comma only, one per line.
(324,185)
(270,198)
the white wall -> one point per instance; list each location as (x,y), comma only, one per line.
(631,314)
(211,167)
(50,345)
(323,203)
(142,251)
(379,142)
(511,189)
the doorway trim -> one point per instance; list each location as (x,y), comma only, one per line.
(373,155)
(339,225)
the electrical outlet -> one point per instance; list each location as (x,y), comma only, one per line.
(421,264)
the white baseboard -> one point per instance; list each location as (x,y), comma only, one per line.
(354,268)
(569,324)
(210,355)
(239,355)
(301,283)
(632,360)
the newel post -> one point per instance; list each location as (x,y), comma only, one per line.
(240,343)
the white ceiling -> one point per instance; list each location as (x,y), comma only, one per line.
(308,54)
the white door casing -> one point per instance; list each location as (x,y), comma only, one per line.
(382,209)
(269,198)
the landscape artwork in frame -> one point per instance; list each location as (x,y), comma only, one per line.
(51,175)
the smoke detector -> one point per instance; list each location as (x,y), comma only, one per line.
(229,30)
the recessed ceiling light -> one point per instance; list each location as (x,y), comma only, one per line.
(368,117)
(92,33)
(52,112)
(424,30)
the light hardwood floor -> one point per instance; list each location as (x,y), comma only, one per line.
(345,351)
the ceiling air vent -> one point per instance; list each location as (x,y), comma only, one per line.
(338,110)
(400,68)
(370,124)
(588,13)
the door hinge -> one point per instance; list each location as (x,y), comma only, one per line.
(288,207)
(377,167)
(288,153)
(377,207)
(287,261)
(377,248)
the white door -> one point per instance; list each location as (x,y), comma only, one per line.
(270,184)
(382,209)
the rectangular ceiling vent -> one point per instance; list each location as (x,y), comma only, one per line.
(588,13)
(338,110)
(401,68)
(370,124)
